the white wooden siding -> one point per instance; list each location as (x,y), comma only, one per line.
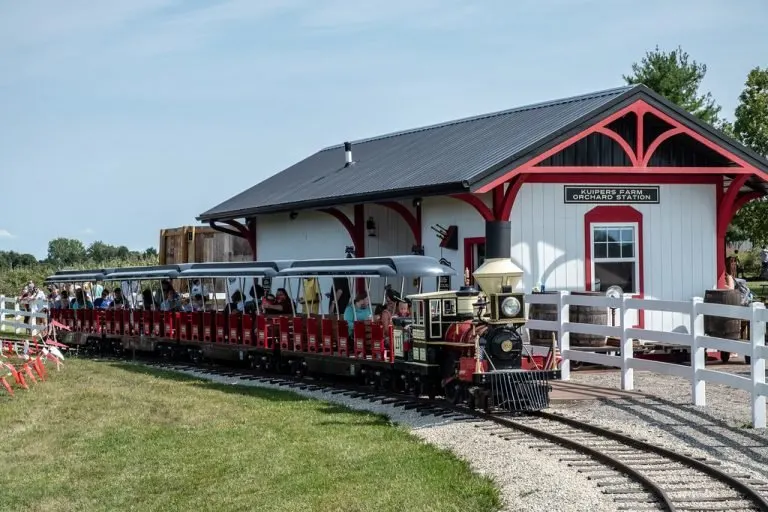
(679,253)
(446,212)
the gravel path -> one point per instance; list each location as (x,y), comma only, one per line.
(528,479)
(721,429)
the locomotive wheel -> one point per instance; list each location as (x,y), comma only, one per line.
(725,356)
(453,392)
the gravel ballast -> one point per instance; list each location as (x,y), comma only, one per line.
(528,479)
(720,430)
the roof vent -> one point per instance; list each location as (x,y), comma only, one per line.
(348,154)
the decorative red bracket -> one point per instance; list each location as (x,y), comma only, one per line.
(238,229)
(728,206)
(413,221)
(503,201)
(355,228)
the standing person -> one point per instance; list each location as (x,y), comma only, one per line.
(311,299)
(764,262)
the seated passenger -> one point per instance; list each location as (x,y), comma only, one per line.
(63,300)
(100,302)
(357,311)
(171,302)
(281,305)
(80,300)
(236,305)
(377,311)
(147,301)
(118,299)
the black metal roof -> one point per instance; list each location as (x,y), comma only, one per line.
(451,157)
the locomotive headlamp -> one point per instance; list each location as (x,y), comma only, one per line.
(510,306)
(507,346)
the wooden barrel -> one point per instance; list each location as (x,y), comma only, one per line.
(542,312)
(597,315)
(719,326)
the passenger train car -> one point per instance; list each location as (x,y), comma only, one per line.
(461,344)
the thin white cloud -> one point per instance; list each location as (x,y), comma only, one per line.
(88,231)
(4,233)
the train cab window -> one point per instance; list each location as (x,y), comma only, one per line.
(449,307)
(435,318)
(418,313)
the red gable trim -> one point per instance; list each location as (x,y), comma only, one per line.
(638,157)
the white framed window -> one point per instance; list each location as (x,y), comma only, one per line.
(615,256)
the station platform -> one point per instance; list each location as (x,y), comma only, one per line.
(566,391)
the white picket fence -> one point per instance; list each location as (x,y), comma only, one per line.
(696,340)
(12,316)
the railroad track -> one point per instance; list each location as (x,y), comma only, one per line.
(636,474)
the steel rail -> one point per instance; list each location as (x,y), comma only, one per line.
(747,492)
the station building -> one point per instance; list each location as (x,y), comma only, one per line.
(618,187)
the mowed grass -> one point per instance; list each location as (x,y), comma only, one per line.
(117,436)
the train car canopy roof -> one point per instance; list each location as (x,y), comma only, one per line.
(234,269)
(391,266)
(76,276)
(145,273)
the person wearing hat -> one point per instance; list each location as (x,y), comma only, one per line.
(357,311)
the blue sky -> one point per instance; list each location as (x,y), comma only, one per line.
(124,117)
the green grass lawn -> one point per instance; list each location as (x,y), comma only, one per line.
(114,436)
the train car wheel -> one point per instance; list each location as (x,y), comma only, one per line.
(725,356)
(452,392)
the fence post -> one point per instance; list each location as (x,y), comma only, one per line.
(16,317)
(2,313)
(627,350)
(698,354)
(564,335)
(757,333)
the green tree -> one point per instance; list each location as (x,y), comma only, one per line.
(151,252)
(98,251)
(677,78)
(66,251)
(750,127)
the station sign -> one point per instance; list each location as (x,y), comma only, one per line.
(611,194)
(444,283)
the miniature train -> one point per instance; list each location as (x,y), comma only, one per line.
(464,345)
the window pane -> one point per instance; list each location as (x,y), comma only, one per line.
(599,235)
(614,235)
(620,273)
(628,250)
(614,250)
(627,235)
(601,251)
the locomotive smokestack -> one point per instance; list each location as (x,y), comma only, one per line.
(347,154)
(498,239)
(498,274)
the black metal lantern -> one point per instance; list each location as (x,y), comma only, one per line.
(349,251)
(370,225)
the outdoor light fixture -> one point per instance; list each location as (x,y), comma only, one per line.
(418,250)
(370,225)
(417,202)
(350,251)
(293,215)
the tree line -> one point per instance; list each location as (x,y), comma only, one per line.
(17,269)
(677,77)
